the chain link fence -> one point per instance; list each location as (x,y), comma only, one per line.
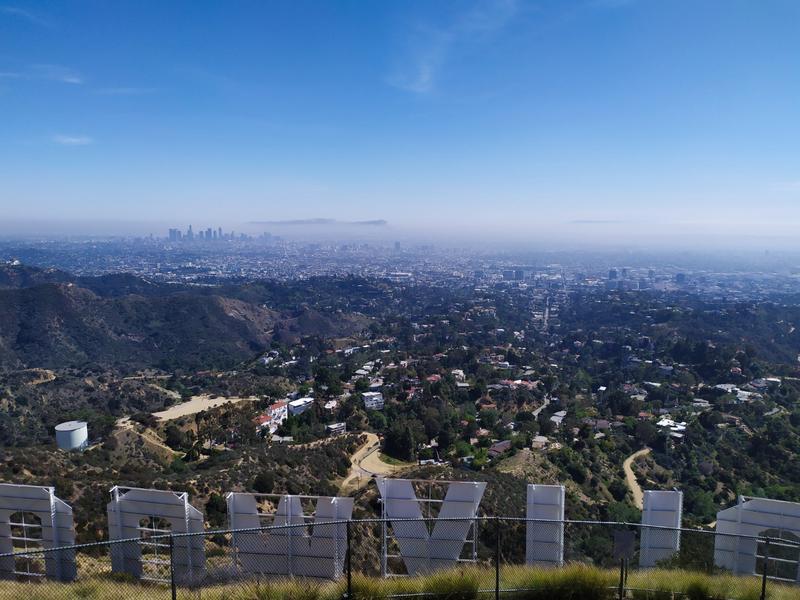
(376,558)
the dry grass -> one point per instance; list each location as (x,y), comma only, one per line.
(572,582)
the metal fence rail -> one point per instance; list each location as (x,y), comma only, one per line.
(494,559)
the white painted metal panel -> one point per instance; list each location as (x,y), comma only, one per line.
(129,506)
(662,509)
(56,528)
(752,517)
(441,548)
(292,551)
(544,544)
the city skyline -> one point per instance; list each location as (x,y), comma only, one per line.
(585,120)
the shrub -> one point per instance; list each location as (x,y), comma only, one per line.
(698,590)
(451,585)
(264,482)
(574,582)
(367,588)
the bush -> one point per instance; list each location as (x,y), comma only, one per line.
(698,590)
(264,482)
(368,588)
(451,585)
(574,582)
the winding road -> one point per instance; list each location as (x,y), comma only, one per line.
(366,463)
(536,412)
(630,477)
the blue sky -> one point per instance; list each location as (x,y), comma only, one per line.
(596,117)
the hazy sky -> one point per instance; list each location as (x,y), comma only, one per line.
(596,117)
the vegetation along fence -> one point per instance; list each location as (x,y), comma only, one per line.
(456,559)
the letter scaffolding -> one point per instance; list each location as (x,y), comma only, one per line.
(409,507)
(149,517)
(33,519)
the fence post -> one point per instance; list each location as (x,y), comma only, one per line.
(764,574)
(497,558)
(173,585)
(621,578)
(349,562)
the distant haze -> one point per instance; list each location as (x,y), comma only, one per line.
(539,236)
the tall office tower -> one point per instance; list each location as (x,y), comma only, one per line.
(612,274)
(190,234)
(208,234)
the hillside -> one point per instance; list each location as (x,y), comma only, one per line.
(127,323)
(133,455)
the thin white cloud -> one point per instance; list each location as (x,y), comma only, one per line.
(26,15)
(72,140)
(57,73)
(44,72)
(125,91)
(430,47)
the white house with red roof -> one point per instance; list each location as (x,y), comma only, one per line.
(272,418)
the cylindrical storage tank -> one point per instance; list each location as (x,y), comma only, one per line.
(72,435)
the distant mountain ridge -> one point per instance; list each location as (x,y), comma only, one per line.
(15,275)
(51,319)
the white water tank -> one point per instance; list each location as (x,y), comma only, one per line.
(72,435)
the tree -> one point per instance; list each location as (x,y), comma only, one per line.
(480,459)
(377,420)
(432,421)
(620,403)
(646,432)
(445,439)
(175,438)
(216,510)
(618,489)
(264,482)
(700,504)
(488,418)
(545,424)
(399,441)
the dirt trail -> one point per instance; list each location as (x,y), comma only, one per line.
(147,435)
(366,464)
(630,477)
